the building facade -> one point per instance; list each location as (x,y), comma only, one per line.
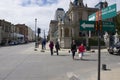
(23,30)
(101,5)
(14,34)
(5,32)
(31,35)
(53,30)
(59,14)
(69,26)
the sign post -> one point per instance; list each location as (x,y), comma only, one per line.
(100,15)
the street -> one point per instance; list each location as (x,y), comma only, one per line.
(21,62)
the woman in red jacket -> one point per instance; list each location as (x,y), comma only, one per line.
(81,50)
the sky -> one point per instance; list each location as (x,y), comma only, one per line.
(26,11)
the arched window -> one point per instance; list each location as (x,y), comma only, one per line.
(60,32)
(66,32)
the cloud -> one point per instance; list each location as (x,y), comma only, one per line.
(25,11)
(37,2)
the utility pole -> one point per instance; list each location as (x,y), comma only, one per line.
(35,35)
(44,34)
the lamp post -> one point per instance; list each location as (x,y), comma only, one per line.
(35,35)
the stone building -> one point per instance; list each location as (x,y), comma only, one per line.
(59,14)
(69,26)
(53,30)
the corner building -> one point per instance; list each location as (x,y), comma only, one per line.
(69,26)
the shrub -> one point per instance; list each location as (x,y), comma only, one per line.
(92,41)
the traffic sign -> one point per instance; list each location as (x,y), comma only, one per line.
(90,26)
(106,13)
(92,17)
(109,12)
(87,25)
(108,26)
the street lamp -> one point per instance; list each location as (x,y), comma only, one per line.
(35,35)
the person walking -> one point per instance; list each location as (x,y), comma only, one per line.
(73,48)
(43,44)
(51,46)
(81,50)
(57,46)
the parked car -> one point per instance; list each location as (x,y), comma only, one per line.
(13,43)
(115,49)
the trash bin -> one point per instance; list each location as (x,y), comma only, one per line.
(103,66)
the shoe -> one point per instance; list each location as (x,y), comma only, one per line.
(73,58)
(81,58)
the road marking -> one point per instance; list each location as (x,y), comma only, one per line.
(72,76)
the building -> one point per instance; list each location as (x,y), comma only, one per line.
(31,35)
(101,5)
(23,32)
(53,30)
(59,14)
(15,34)
(69,26)
(0,34)
(5,32)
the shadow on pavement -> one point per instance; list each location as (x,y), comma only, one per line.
(60,55)
(86,59)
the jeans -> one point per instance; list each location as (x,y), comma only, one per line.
(51,50)
(73,54)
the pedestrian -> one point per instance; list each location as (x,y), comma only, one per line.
(51,45)
(44,43)
(57,46)
(73,48)
(81,50)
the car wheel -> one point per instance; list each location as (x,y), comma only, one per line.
(111,52)
(119,52)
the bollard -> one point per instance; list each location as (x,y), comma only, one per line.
(104,67)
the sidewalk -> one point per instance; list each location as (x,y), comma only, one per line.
(113,74)
(110,74)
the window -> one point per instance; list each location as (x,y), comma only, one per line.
(66,32)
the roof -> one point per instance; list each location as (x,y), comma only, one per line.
(53,21)
(61,9)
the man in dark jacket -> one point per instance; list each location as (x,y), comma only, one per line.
(73,48)
(57,46)
(51,45)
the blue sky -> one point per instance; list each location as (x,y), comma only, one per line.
(25,11)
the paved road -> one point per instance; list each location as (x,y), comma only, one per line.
(23,63)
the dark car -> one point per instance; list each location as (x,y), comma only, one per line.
(115,49)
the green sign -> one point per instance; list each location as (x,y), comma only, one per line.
(109,12)
(108,26)
(92,17)
(87,25)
